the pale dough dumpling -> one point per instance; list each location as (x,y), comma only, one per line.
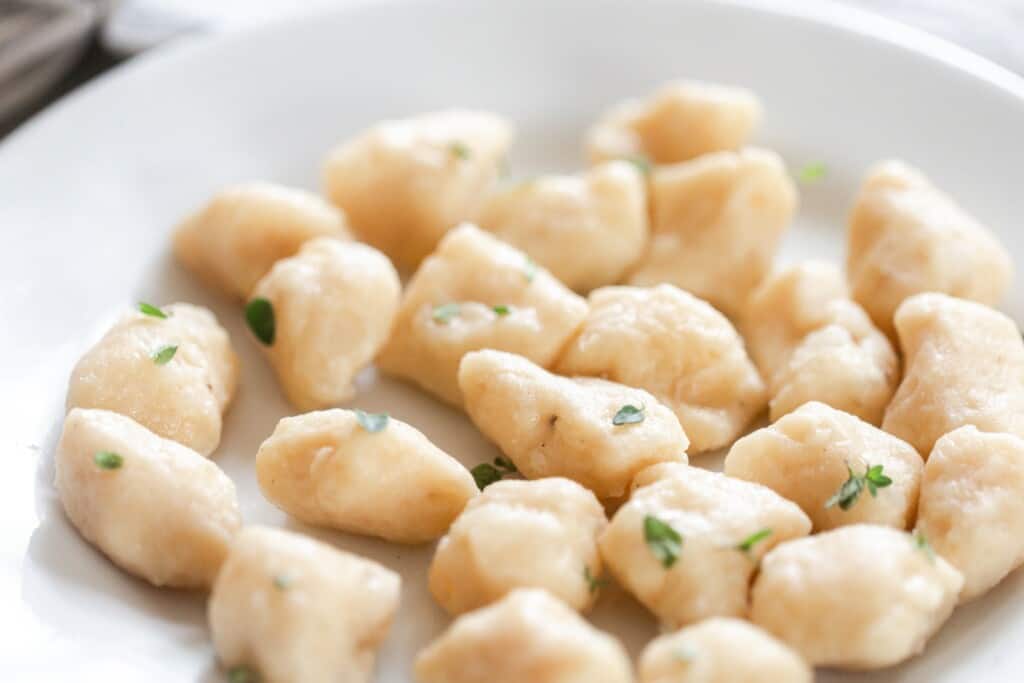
(906,236)
(859,597)
(592,431)
(234,239)
(550,217)
(527,636)
(182,397)
(521,534)
(964,365)
(679,348)
(808,455)
(680,121)
(721,650)
(972,505)
(328,468)
(290,609)
(157,509)
(716,224)
(724,526)
(333,306)
(404,183)
(477,292)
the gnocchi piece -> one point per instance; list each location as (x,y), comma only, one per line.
(404,183)
(682,120)
(366,474)
(964,364)
(592,431)
(721,650)
(859,597)
(156,508)
(551,216)
(290,609)
(679,348)
(834,466)
(972,505)
(236,238)
(687,542)
(906,236)
(716,225)
(521,534)
(477,292)
(526,636)
(174,375)
(333,305)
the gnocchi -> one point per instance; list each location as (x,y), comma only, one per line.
(972,505)
(964,365)
(366,474)
(173,371)
(592,431)
(236,238)
(682,120)
(548,643)
(721,650)
(906,237)
(477,292)
(156,508)
(687,542)
(550,216)
(858,597)
(716,225)
(404,183)
(679,348)
(333,305)
(520,534)
(839,469)
(289,609)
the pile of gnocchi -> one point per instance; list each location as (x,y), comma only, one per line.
(607,331)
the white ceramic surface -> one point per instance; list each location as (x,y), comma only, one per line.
(90,189)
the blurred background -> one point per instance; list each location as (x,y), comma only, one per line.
(48,47)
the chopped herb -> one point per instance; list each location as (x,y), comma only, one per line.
(851,489)
(150,309)
(922,544)
(664,541)
(486,474)
(242,674)
(531,269)
(259,313)
(812,173)
(748,543)
(108,460)
(372,422)
(459,150)
(282,582)
(445,312)
(594,583)
(164,354)
(642,163)
(501,310)
(628,414)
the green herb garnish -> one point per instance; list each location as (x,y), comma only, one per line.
(150,309)
(531,269)
(459,150)
(108,460)
(664,541)
(164,354)
(748,543)
(922,544)
(282,582)
(594,583)
(628,414)
(486,474)
(259,313)
(501,310)
(812,173)
(642,163)
(872,479)
(371,422)
(242,674)
(445,312)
